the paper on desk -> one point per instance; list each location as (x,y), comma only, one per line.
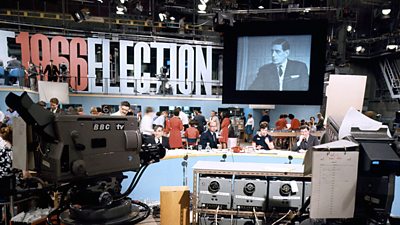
(341,144)
(331,146)
(354,118)
(333,184)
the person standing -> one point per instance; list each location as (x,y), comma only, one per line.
(223,139)
(15,72)
(214,118)
(167,124)
(282,74)
(249,128)
(160,120)
(184,118)
(265,117)
(2,117)
(5,151)
(175,137)
(52,72)
(201,120)
(9,116)
(124,108)
(32,75)
(146,124)
(312,124)
(320,124)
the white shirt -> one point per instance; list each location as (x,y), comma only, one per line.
(283,67)
(146,124)
(1,116)
(117,113)
(250,121)
(159,120)
(184,118)
(158,140)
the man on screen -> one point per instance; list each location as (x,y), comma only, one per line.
(282,74)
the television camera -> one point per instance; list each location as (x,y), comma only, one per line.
(82,158)
(165,87)
(64,73)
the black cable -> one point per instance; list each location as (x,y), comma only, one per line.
(146,209)
(135,181)
(133,184)
(61,207)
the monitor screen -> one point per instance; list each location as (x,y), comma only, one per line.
(280,62)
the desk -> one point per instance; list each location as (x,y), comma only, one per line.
(292,135)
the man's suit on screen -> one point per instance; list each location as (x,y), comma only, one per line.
(295,77)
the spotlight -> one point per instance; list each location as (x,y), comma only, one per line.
(349,28)
(392,47)
(162,16)
(386,12)
(360,49)
(81,15)
(139,6)
(202,6)
(121,9)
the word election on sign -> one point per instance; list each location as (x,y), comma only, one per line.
(190,66)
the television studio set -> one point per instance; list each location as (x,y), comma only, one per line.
(201,112)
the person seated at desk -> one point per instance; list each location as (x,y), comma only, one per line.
(157,137)
(294,123)
(209,136)
(306,141)
(281,123)
(262,140)
(192,133)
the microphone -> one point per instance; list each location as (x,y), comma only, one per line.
(223,158)
(290,157)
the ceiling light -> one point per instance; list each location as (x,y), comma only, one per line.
(392,47)
(201,7)
(139,6)
(261,7)
(81,15)
(360,49)
(386,12)
(162,16)
(172,18)
(349,28)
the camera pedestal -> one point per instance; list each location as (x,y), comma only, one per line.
(123,213)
